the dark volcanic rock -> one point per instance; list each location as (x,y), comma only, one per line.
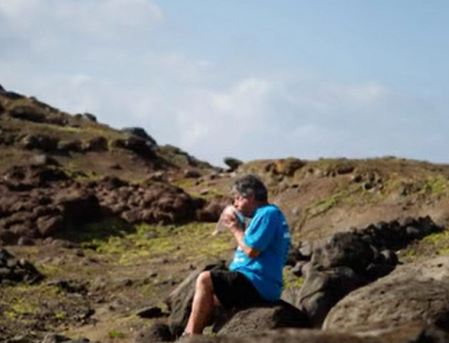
(267,316)
(49,225)
(179,301)
(40,142)
(404,334)
(34,175)
(344,249)
(26,112)
(13,270)
(414,294)
(96,144)
(232,163)
(139,146)
(70,146)
(141,133)
(80,208)
(157,332)
(323,289)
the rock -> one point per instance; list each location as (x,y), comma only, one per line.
(192,174)
(287,166)
(141,133)
(321,290)
(11,95)
(150,312)
(26,112)
(14,270)
(42,160)
(112,183)
(79,208)
(179,301)
(96,144)
(89,117)
(137,145)
(405,334)
(416,294)
(157,332)
(232,163)
(49,225)
(212,210)
(70,146)
(264,317)
(40,142)
(343,249)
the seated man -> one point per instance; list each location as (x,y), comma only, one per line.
(255,274)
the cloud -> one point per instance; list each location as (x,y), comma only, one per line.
(74,55)
(58,31)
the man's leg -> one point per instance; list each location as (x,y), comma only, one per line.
(204,301)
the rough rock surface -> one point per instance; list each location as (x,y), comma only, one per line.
(13,270)
(338,265)
(264,317)
(405,334)
(414,294)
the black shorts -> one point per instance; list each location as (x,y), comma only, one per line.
(234,290)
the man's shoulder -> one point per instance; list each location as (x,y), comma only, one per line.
(269,209)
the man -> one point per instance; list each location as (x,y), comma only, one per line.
(255,274)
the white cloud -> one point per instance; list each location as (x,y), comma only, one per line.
(97,56)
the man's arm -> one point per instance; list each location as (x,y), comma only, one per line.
(239,234)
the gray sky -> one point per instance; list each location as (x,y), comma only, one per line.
(244,78)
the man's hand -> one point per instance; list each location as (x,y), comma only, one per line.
(231,222)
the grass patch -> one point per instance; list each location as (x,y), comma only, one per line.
(431,245)
(436,185)
(291,280)
(149,242)
(116,334)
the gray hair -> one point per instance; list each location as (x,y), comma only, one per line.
(251,184)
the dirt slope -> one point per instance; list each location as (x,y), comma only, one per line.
(97,277)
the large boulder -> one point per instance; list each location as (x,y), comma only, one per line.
(322,289)
(40,142)
(26,112)
(96,144)
(343,249)
(141,133)
(416,294)
(405,334)
(266,316)
(79,208)
(179,301)
(139,146)
(30,176)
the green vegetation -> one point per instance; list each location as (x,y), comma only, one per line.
(436,185)
(156,241)
(431,245)
(116,334)
(291,280)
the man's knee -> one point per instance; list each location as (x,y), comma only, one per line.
(204,281)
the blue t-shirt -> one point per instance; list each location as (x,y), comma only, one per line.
(267,232)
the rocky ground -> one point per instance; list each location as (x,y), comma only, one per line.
(99,228)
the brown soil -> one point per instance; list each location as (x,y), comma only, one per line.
(95,283)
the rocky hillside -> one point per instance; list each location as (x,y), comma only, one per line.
(99,227)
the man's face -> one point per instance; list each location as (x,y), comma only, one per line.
(245,204)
